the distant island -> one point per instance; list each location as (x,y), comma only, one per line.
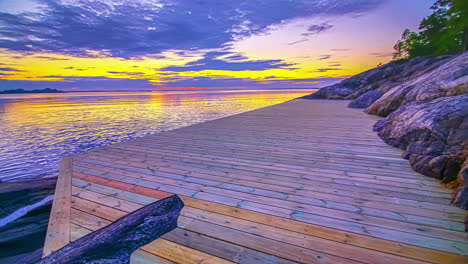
(22,91)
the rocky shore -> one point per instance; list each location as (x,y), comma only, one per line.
(424,102)
(24,214)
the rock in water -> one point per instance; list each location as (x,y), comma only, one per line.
(448,79)
(434,135)
(24,235)
(366,99)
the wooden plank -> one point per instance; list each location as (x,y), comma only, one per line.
(284,204)
(456,246)
(186,238)
(287,251)
(406,250)
(143,257)
(58,230)
(428,231)
(138,257)
(161,248)
(307,204)
(181,254)
(280,186)
(204,171)
(257,229)
(301,170)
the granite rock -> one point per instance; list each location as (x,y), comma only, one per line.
(366,99)
(382,78)
(434,135)
(448,79)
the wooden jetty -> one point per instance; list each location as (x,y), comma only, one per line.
(306,181)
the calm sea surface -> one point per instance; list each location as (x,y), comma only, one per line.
(37,129)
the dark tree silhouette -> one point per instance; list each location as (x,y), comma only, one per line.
(445,31)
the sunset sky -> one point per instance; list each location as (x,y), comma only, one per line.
(77,45)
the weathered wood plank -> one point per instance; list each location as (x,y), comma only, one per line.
(285,200)
(58,230)
(164,251)
(407,227)
(278,185)
(115,242)
(400,249)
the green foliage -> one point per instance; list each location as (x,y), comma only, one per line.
(445,31)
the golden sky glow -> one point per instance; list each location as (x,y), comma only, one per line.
(288,54)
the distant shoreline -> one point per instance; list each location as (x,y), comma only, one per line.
(49,90)
(22,91)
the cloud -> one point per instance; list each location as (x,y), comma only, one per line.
(9,69)
(212,82)
(212,62)
(80,83)
(235,57)
(50,58)
(325,57)
(126,28)
(327,69)
(127,73)
(316,29)
(296,42)
(234,83)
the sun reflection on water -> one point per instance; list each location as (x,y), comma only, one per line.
(36,129)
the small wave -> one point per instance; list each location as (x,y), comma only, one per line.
(23,211)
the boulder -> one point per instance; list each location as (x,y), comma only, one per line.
(15,195)
(460,196)
(22,238)
(24,214)
(448,79)
(366,99)
(382,78)
(432,133)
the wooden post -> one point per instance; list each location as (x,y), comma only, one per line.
(117,241)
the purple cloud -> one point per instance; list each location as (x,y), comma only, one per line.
(316,29)
(297,42)
(9,69)
(134,28)
(211,62)
(325,57)
(117,84)
(215,82)
(327,69)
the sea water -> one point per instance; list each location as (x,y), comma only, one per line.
(37,129)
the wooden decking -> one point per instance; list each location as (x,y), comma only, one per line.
(306,181)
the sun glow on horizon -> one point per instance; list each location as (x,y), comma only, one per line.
(307,51)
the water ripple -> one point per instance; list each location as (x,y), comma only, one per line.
(37,129)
